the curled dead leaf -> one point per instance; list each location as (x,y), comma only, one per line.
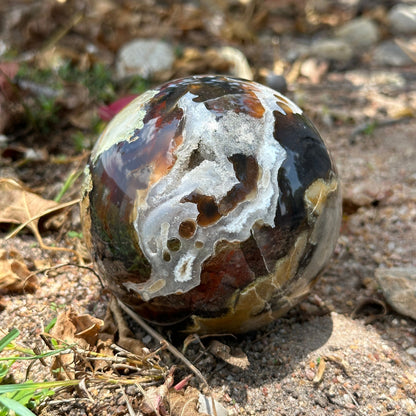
(155,399)
(235,356)
(198,62)
(184,403)
(79,329)
(73,329)
(19,205)
(115,324)
(341,362)
(15,277)
(321,370)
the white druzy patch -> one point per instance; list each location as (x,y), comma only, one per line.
(216,139)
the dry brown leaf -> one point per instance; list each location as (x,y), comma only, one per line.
(314,69)
(114,327)
(18,204)
(340,361)
(184,403)
(74,329)
(114,322)
(321,370)
(155,400)
(195,61)
(235,357)
(80,329)
(21,206)
(15,277)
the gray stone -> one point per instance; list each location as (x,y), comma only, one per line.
(144,57)
(411,351)
(399,288)
(277,82)
(296,51)
(359,33)
(402,18)
(239,66)
(333,49)
(389,53)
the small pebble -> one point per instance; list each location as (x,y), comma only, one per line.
(402,18)
(399,288)
(147,339)
(333,49)
(359,33)
(389,53)
(144,57)
(411,351)
(277,82)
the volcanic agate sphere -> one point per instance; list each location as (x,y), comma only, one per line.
(211,203)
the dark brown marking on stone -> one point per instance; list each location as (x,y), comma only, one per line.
(174,244)
(246,171)
(246,103)
(207,208)
(187,228)
(253,257)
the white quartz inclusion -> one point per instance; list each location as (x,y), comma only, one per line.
(159,218)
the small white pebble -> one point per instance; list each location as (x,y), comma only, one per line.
(146,339)
(411,351)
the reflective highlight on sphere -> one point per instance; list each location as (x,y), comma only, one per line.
(211,203)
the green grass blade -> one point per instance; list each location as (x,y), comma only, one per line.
(18,408)
(13,334)
(36,357)
(4,369)
(50,325)
(73,176)
(22,396)
(6,388)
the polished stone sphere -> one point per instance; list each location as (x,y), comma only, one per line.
(212,204)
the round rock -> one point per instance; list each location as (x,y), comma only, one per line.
(332,49)
(399,288)
(144,57)
(359,33)
(212,204)
(402,18)
(277,82)
(389,53)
